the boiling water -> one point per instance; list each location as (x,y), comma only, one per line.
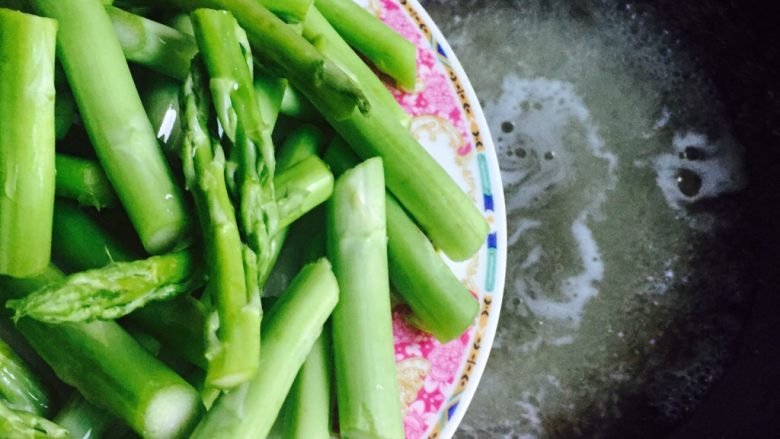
(623,297)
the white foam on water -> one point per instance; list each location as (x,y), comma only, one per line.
(720,169)
(543,112)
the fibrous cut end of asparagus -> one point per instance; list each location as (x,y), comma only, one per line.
(172,413)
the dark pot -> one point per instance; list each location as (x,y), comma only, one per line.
(713,369)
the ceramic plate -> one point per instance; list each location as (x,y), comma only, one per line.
(438,381)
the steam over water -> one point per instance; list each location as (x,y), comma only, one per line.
(623,298)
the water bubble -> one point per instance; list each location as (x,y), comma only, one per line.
(507,126)
(549,155)
(689,182)
(692,153)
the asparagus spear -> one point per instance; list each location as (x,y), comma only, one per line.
(302,188)
(227,57)
(289,331)
(297,197)
(306,141)
(19,387)
(115,120)
(64,111)
(153,44)
(110,369)
(233,344)
(367,391)
(438,205)
(79,243)
(296,106)
(292,11)
(83,180)
(388,50)
(439,301)
(26,141)
(112,291)
(327,40)
(308,409)
(18,424)
(291,55)
(82,419)
(161,100)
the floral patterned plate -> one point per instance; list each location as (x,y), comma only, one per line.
(438,381)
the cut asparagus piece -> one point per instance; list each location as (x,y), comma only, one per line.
(441,209)
(111,292)
(115,121)
(388,50)
(18,424)
(289,331)
(64,111)
(110,369)
(161,101)
(295,197)
(368,399)
(83,420)
(233,345)
(26,141)
(439,301)
(179,324)
(297,106)
(324,37)
(152,44)
(302,188)
(19,387)
(308,411)
(291,55)
(83,180)
(292,11)
(228,59)
(79,243)
(306,141)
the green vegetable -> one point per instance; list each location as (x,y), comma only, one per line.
(154,45)
(439,301)
(27,46)
(233,345)
(324,37)
(228,59)
(161,101)
(441,209)
(304,182)
(83,420)
(308,411)
(368,399)
(291,55)
(296,106)
(79,243)
(64,111)
(83,180)
(292,11)
(20,389)
(289,331)
(115,121)
(112,291)
(18,424)
(109,368)
(301,188)
(390,52)
(306,141)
